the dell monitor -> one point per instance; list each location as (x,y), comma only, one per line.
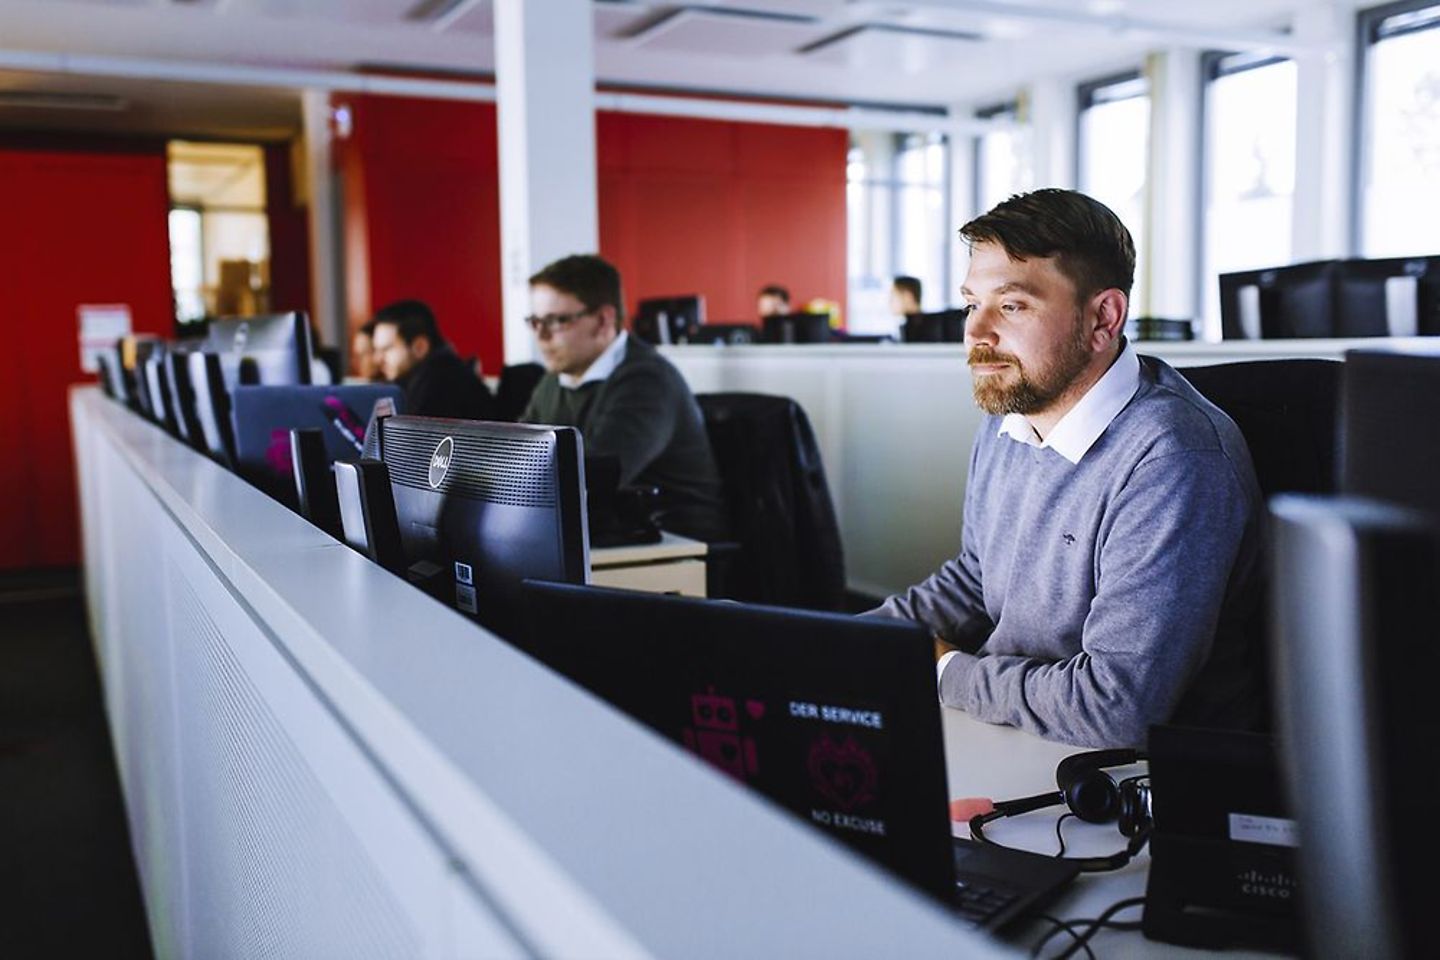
(668,319)
(264,416)
(796,328)
(1389,446)
(946,326)
(1280,303)
(490,504)
(1354,607)
(271,349)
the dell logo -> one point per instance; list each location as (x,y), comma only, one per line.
(440,461)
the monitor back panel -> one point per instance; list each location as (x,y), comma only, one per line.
(491,504)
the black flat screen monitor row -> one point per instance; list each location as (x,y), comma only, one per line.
(671,320)
(1333,298)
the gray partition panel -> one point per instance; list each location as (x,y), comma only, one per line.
(320,761)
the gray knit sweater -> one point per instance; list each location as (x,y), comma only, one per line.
(1098,598)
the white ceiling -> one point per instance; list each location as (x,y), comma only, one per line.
(930,52)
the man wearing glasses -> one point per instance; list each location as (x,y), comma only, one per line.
(629,402)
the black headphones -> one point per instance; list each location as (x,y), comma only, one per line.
(1092,795)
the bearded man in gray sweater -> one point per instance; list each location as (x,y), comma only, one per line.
(1109,569)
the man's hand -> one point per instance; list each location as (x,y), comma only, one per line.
(942,648)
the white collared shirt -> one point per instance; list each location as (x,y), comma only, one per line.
(1083,424)
(603,366)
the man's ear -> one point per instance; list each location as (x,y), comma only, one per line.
(420,347)
(609,316)
(1108,310)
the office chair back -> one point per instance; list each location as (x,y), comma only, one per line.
(517,383)
(1288,412)
(781,513)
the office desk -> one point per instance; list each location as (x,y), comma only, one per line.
(674,565)
(1002,763)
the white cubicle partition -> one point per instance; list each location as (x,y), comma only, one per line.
(320,761)
(895,422)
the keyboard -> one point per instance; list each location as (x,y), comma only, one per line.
(995,886)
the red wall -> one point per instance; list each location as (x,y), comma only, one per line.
(722,208)
(289,234)
(79,223)
(686,206)
(422,215)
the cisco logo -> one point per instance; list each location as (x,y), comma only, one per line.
(440,461)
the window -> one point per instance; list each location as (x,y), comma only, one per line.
(1399,163)
(897,209)
(1003,159)
(219,233)
(1250,114)
(1114,149)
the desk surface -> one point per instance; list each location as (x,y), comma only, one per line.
(1002,763)
(672,546)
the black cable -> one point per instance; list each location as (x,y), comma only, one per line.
(1099,922)
(1060,822)
(1059,925)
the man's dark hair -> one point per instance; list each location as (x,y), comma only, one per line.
(775,290)
(910,285)
(411,319)
(590,279)
(1089,243)
(367,328)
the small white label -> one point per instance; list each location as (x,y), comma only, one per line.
(1271,831)
(465,598)
(463,574)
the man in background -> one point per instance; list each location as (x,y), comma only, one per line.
(905,296)
(362,354)
(629,402)
(410,351)
(774,300)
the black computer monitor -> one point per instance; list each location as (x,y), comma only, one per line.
(668,319)
(490,504)
(162,403)
(796,328)
(833,717)
(1393,297)
(271,349)
(1389,444)
(946,326)
(1355,603)
(725,333)
(1280,302)
(264,416)
(212,406)
(182,396)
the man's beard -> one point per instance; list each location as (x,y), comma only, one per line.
(1033,391)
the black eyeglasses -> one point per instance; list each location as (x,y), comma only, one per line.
(550,322)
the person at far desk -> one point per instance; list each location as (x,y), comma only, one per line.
(411,351)
(1109,568)
(629,402)
(772,301)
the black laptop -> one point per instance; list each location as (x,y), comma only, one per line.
(833,717)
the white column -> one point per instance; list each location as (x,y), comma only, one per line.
(1323,133)
(319,184)
(1050,108)
(1174,181)
(963,203)
(545,78)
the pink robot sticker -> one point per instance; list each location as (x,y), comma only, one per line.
(716,737)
